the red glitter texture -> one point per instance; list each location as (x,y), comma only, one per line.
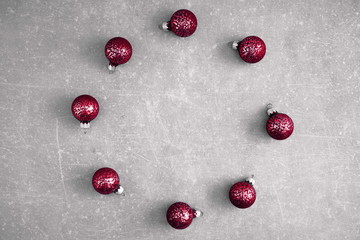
(183,23)
(242,195)
(180,215)
(118,50)
(85,108)
(105,180)
(252,49)
(279,126)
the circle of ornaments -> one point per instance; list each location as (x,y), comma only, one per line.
(118,51)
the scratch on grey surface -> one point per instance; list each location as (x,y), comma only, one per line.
(127,94)
(353,159)
(181,59)
(60,161)
(7,149)
(328,148)
(321,86)
(22,138)
(164,179)
(181,99)
(320,136)
(336,187)
(141,156)
(319,42)
(64,116)
(164,129)
(42,232)
(151,147)
(349,22)
(279,203)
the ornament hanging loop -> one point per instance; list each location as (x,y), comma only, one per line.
(270,109)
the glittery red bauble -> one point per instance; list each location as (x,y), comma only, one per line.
(242,195)
(180,215)
(183,23)
(105,180)
(279,126)
(85,108)
(118,50)
(252,49)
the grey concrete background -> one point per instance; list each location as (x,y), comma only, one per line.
(181,121)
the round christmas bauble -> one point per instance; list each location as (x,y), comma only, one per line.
(85,108)
(251,49)
(180,215)
(118,50)
(279,125)
(106,181)
(242,194)
(183,23)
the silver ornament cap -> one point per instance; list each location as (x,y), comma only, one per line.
(270,109)
(111,68)
(235,45)
(85,125)
(250,180)
(120,191)
(198,213)
(164,26)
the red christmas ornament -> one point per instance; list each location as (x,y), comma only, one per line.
(279,125)
(106,181)
(251,49)
(85,108)
(118,50)
(243,194)
(180,215)
(183,23)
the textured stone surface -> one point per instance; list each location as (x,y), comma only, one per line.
(183,120)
